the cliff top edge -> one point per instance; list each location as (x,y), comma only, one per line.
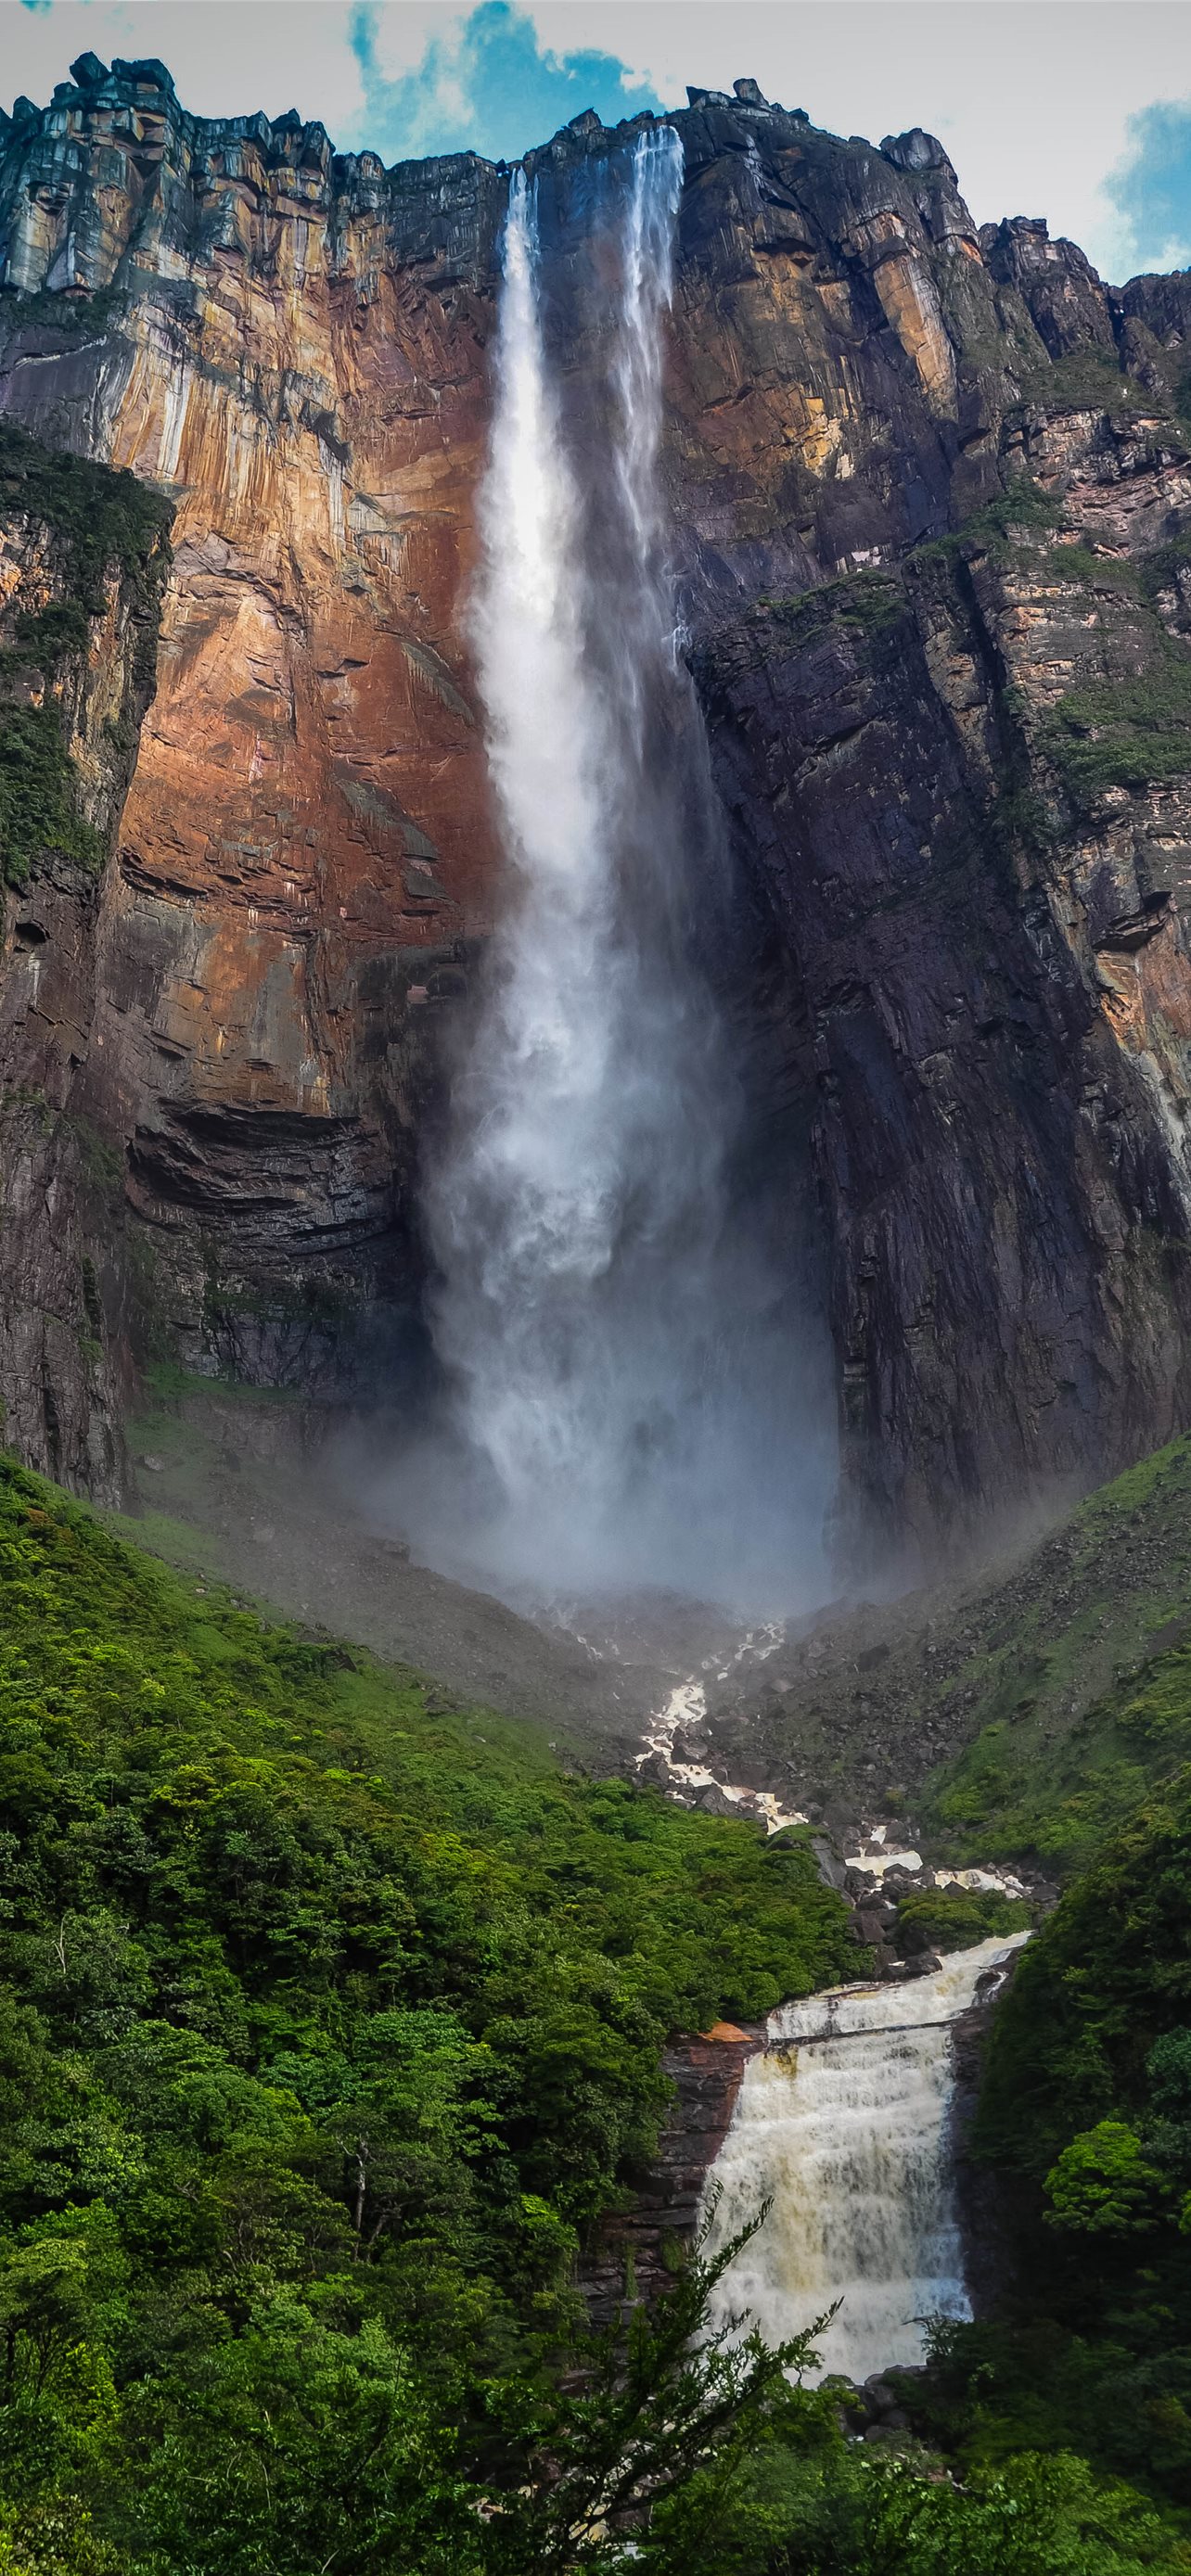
(144,87)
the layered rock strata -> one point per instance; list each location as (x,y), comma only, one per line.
(953,735)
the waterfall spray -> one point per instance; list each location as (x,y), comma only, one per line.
(622,1413)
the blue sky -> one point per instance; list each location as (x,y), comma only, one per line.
(1076,109)
(486,82)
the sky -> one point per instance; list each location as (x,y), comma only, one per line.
(1078,110)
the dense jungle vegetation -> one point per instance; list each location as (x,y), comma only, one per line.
(1084,2129)
(330,2022)
(1085,2124)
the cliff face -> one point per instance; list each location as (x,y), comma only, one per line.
(83,554)
(953,733)
(293,350)
(952,775)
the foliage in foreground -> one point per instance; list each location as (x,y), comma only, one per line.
(327,2027)
(329,2022)
(1086,2121)
(817,2507)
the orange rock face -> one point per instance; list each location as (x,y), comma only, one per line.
(307,833)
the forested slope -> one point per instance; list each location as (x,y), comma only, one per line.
(330,2020)
(328,2024)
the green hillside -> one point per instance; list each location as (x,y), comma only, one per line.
(1076,1682)
(330,2021)
(1084,2133)
(1019,1715)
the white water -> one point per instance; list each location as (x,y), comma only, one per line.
(842,2121)
(628,1384)
(687,1706)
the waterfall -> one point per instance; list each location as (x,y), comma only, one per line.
(842,2122)
(628,1394)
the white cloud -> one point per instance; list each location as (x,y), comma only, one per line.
(1031,97)
(402,32)
(228,57)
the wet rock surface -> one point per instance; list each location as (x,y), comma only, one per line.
(637,2251)
(988,973)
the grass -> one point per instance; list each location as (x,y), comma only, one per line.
(169,1384)
(1022,510)
(868,602)
(70,315)
(1095,572)
(1087,379)
(1159,570)
(99,517)
(1124,733)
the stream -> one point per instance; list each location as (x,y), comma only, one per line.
(844,2120)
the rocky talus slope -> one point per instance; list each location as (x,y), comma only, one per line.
(930,491)
(1018,1715)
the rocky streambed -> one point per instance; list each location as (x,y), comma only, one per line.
(871,1860)
(846,2112)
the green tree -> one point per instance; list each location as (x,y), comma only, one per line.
(1102,2184)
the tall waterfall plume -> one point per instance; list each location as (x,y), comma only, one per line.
(627,1393)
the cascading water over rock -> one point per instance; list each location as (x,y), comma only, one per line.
(842,2124)
(629,1398)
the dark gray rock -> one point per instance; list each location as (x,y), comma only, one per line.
(916,150)
(830,1866)
(655,1769)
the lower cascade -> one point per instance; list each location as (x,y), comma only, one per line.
(842,2124)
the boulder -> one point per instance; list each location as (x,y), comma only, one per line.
(916,150)
(714,1802)
(656,1769)
(830,1867)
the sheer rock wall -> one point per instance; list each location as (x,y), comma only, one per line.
(948,737)
(75,684)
